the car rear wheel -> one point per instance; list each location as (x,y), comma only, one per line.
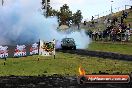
(63,47)
(74,47)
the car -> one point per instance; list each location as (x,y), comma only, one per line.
(68,43)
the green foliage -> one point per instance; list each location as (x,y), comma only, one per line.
(77,17)
(111,47)
(65,15)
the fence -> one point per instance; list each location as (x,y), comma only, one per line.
(110,37)
(7,51)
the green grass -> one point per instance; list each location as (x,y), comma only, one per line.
(64,64)
(129,20)
(111,47)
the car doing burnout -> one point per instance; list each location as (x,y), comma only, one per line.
(68,43)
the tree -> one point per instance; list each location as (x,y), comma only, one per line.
(64,15)
(76,18)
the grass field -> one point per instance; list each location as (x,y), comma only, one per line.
(117,47)
(64,64)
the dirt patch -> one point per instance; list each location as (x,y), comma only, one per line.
(100,54)
(54,81)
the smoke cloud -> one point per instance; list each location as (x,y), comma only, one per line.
(22,22)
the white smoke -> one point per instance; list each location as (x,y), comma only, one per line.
(21,21)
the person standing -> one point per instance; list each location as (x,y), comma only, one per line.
(92,18)
(122,20)
(54,47)
(127,34)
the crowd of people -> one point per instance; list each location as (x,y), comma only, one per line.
(116,30)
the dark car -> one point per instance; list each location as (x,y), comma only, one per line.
(68,43)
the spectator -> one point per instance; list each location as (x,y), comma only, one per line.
(96,35)
(127,35)
(105,34)
(115,30)
(114,20)
(128,26)
(93,34)
(123,26)
(113,34)
(100,35)
(84,23)
(125,15)
(92,18)
(90,33)
(131,30)
(93,23)
(105,21)
(108,20)
(122,20)
(119,33)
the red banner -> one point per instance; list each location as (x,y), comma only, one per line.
(103,79)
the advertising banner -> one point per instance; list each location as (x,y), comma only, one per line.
(20,51)
(34,49)
(3,51)
(47,48)
(38,48)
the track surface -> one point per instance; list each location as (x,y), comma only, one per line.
(54,81)
(101,54)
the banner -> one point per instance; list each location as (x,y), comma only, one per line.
(43,48)
(103,79)
(20,51)
(3,51)
(47,48)
(34,49)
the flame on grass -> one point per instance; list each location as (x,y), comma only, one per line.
(81,71)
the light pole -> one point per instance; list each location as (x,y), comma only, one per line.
(111,7)
(2,2)
(45,7)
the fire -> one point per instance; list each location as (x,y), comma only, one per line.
(81,71)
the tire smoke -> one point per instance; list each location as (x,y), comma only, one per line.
(22,22)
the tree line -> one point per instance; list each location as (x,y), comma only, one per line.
(65,15)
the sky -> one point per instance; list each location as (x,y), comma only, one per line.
(92,7)
(88,7)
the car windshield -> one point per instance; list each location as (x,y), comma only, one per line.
(68,39)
